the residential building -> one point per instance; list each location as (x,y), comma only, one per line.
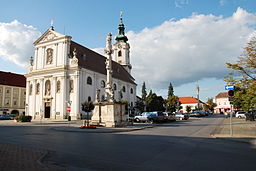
(193,102)
(12,93)
(64,74)
(223,104)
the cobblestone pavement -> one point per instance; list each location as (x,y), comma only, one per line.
(244,131)
(18,158)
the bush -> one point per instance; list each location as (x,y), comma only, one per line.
(24,118)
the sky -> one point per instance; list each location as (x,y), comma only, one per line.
(185,42)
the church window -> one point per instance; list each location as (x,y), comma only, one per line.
(114,86)
(30,89)
(58,86)
(47,88)
(89,99)
(37,88)
(14,102)
(131,91)
(119,53)
(102,98)
(131,104)
(71,86)
(123,89)
(102,84)
(49,56)
(89,80)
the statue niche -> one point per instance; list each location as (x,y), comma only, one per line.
(49,56)
(47,88)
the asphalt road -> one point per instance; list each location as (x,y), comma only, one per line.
(181,145)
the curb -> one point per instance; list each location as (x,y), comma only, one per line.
(247,140)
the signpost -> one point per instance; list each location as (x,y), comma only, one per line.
(229,87)
(231,93)
(68,109)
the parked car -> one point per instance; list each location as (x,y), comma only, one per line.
(169,116)
(5,117)
(241,114)
(131,117)
(142,117)
(181,116)
(156,116)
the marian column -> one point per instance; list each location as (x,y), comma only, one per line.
(108,52)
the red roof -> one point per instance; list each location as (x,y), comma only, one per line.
(222,95)
(11,79)
(188,100)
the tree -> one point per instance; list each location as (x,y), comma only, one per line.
(143,91)
(188,109)
(154,102)
(170,90)
(210,105)
(244,77)
(171,103)
(140,106)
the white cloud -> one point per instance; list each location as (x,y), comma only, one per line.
(180,3)
(16,42)
(189,49)
(222,2)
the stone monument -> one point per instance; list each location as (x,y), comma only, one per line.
(108,113)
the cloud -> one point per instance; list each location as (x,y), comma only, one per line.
(189,49)
(180,3)
(223,2)
(16,42)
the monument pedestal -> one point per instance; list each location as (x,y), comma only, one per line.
(109,114)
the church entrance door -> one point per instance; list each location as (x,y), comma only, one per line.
(47,110)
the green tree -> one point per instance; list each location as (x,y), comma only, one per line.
(87,107)
(243,76)
(154,102)
(170,90)
(143,91)
(140,106)
(171,103)
(188,109)
(210,105)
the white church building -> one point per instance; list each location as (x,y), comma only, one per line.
(63,74)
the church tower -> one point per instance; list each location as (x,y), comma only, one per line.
(122,48)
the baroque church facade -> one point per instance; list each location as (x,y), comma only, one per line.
(63,74)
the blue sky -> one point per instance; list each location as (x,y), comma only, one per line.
(163,30)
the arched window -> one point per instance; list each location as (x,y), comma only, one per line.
(47,88)
(114,86)
(71,86)
(131,104)
(89,99)
(123,89)
(119,53)
(37,88)
(30,89)
(102,98)
(49,56)
(89,80)
(58,86)
(102,84)
(131,91)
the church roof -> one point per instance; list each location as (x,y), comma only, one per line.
(11,79)
(93,61)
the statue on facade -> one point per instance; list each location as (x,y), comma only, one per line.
(97,95)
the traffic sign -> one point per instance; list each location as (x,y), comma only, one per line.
(231,93)
(229,87)
(68,108)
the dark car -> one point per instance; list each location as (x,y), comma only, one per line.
(156,116)
(5,117)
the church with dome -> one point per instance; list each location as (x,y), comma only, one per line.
(64,74)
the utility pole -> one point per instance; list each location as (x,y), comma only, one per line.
(198,89)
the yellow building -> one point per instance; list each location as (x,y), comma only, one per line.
(12,93)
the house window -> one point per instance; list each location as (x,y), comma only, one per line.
(89,80)
(37,88)
(123,89)
(49,56)
(102,84)
(71,86)
(114,86)
(48,88)
(15,103)
(131,91)
(58,86)
(119,53)
(89,98)
(30,89)
(7,91)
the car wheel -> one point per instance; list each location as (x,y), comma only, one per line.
(239,117)
(180,119)
(151,121)
(137,120)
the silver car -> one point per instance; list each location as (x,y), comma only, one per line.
(142,117)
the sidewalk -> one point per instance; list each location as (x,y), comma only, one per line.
(74,126)
(242,131)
